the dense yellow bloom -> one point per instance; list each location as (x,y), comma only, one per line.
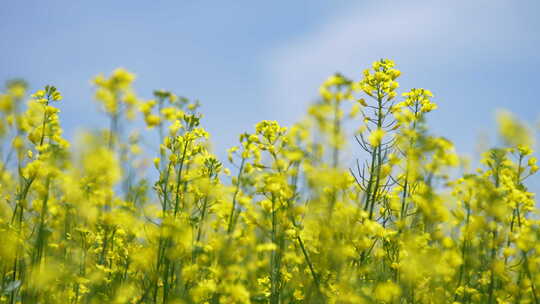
(376,137)
(115,92)
(513,131)
(387,292)
(293,220)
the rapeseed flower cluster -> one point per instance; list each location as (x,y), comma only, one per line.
(287,219)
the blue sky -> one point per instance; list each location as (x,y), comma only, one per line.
(253,60)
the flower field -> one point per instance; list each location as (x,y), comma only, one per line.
(287,218)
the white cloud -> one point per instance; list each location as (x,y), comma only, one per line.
(418,35)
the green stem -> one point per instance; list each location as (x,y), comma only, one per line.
(236,191)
